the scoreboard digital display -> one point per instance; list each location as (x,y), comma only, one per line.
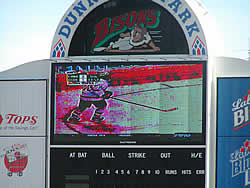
(127,168)
(94,168)
(128,103)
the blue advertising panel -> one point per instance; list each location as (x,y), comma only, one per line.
(233,162)
(233,107)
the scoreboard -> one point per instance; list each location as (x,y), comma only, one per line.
(153,129)
(128,167)
(128,97)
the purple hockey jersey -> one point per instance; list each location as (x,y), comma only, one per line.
(94,92)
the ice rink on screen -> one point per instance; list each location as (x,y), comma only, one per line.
(159,108)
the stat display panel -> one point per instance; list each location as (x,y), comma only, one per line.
(93,168)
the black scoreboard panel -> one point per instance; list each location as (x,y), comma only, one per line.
(127,168)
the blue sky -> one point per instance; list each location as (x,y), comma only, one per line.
(28,27)
(233,20)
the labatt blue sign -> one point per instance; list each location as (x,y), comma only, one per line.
(240,160)
(81,10)
(233,107)
(240,109)
(233,133)
(233,162)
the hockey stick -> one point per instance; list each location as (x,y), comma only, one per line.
(168,87)
(181,86)
(142,105)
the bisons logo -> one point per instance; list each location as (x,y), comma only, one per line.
(15,159)
(240,109)
(132,29)
(240,160)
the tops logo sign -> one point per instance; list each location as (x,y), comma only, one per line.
(15,121)
(241,112)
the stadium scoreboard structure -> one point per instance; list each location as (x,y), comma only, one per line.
(108,116)
(149,107)
(126,100)
(143,112)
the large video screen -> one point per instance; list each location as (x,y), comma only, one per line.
(128,103)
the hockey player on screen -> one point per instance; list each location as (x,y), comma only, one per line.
(93,93)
